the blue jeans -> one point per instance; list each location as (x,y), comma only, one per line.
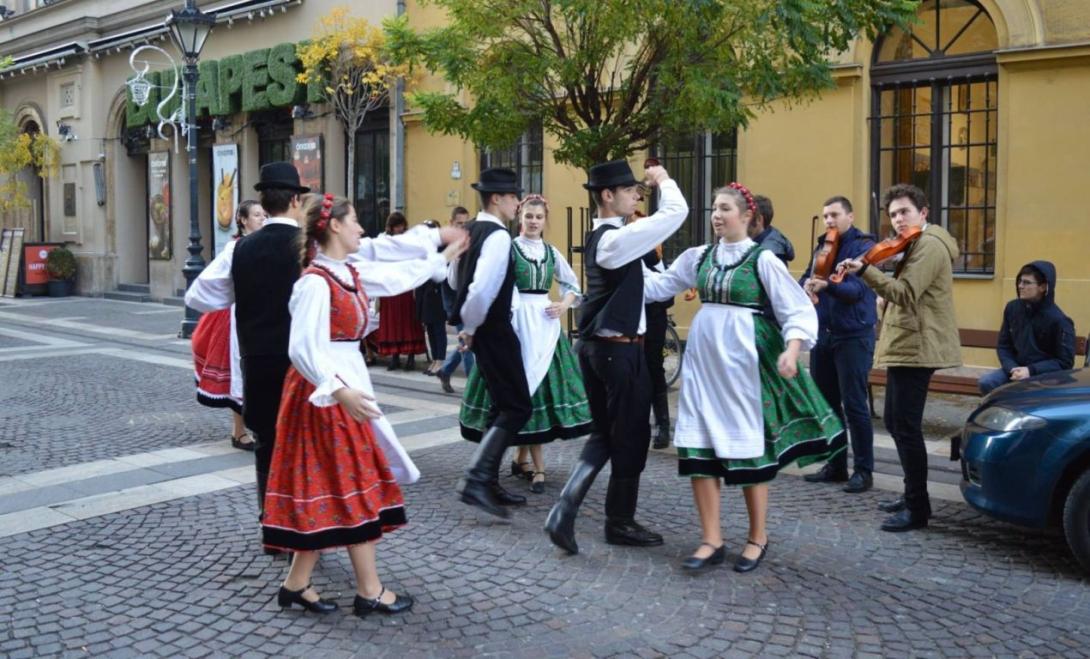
(456,357)
(993,380)
(840,368)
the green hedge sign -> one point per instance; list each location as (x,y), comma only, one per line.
(253,81)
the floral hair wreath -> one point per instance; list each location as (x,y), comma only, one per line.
(735,185)
(325,213)
(534,198)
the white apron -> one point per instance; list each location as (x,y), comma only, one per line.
(537,336)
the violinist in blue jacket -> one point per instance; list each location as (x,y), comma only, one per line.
(841,360)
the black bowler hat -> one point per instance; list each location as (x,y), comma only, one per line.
(612,174)
(280,176)
(498,179)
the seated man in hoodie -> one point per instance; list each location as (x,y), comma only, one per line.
(1036,336)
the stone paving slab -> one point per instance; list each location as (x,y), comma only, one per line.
(186,578)
(67,410)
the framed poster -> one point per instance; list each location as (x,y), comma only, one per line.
(160,234)
(306,155)
(225,199)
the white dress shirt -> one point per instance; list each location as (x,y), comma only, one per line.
(487,276)
(213,289)
(632,241)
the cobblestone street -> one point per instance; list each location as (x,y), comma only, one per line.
(128,528)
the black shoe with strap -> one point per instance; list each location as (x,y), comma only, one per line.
(362,606)
(285,598)
(518,472)
(744,564)
(695,563)
(537,486)
(828,474)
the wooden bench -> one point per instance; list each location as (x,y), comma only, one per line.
(963,385)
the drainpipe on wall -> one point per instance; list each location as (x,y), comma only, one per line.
(398,137)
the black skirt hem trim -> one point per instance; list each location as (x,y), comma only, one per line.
(219,402)
(528,439)
(715,468)
(343,537)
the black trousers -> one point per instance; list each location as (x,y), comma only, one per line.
(619,394)
(840,367)
(499,356)
(263,381)
(906,395)
(437,339)
(654,342)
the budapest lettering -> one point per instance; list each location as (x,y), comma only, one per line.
(250,82)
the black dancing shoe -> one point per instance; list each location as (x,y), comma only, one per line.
(395,363)
(285,598)
(695,564)
(828,474)
(906,520)
(744,564)
(629,532)
(893,505)
(362,606)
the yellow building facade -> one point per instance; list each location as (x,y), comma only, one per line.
(987,113)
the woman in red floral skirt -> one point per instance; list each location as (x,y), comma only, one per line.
(399,332)
(215,347)
(335,470)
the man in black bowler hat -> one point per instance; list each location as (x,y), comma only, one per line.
(484,278)
(257,274)
(611,329)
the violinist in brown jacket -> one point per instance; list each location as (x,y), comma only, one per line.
(919,334)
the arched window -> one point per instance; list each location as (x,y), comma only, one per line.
(934,123)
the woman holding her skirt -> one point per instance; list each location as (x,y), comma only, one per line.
(746,408)
(560,408)
(336,465)
(216,363)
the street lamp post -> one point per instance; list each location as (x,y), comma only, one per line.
(189,28)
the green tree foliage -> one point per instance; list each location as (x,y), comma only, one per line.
(610,77)
(19,150)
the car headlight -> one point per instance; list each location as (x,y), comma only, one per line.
(1007,420)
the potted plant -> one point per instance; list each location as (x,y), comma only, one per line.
(61,266)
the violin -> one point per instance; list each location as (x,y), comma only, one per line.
(825,259)
(886,249)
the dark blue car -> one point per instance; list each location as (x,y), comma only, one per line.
(1025,456)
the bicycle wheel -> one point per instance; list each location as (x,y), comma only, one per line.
(672,356)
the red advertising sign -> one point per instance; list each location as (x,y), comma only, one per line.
(34,262)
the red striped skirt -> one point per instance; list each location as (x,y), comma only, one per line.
(399,332)
(329,483)
(211,343)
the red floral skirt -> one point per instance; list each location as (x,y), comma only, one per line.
(399,332)
(329,483)
(211,342)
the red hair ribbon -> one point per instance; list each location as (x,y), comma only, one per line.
(735,185)
(326,212)
(534,198)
